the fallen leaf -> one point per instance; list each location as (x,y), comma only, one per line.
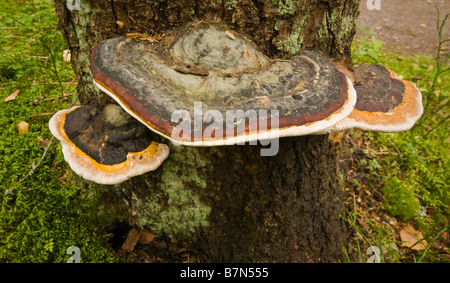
(145,236)
(410,237)
(131,240)
(12,96)
(120,24)
(22,127)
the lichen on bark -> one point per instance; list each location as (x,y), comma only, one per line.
(172,206)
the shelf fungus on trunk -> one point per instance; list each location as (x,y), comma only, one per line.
(384,102)
(207,86)
(106,145)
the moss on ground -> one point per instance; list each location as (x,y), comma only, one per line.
(42,212)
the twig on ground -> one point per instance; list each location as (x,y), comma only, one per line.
(41,114)
(389,140)
(64,94)
(59,97)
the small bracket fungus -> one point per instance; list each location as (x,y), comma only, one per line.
(384,103)
(106,146)
(224,71)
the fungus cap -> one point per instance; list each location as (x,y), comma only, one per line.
(108,146)
(384,102)
(225,72)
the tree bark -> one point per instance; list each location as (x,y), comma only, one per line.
(232,204)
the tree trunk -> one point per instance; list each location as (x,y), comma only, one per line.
(232,204)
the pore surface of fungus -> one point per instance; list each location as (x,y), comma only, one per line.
(106,145)
(384,102)
(225,72)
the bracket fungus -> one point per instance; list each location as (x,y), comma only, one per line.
(106,145)
(162,82)
(384,102)
(224,71)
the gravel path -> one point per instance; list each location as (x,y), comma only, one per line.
(407,26)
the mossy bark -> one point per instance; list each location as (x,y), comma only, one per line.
(233,204)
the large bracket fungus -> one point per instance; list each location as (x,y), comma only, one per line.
(225,72)
(160,83)
(106,146)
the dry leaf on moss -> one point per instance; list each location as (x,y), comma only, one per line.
(12,96)
(22,127)
(66,55)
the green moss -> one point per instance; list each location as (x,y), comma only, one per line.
(285,7)
(373,165)
(229,4)
(355,183)
(43,214)
(400,201)
(341,179)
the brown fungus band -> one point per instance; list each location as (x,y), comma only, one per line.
(223,71)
